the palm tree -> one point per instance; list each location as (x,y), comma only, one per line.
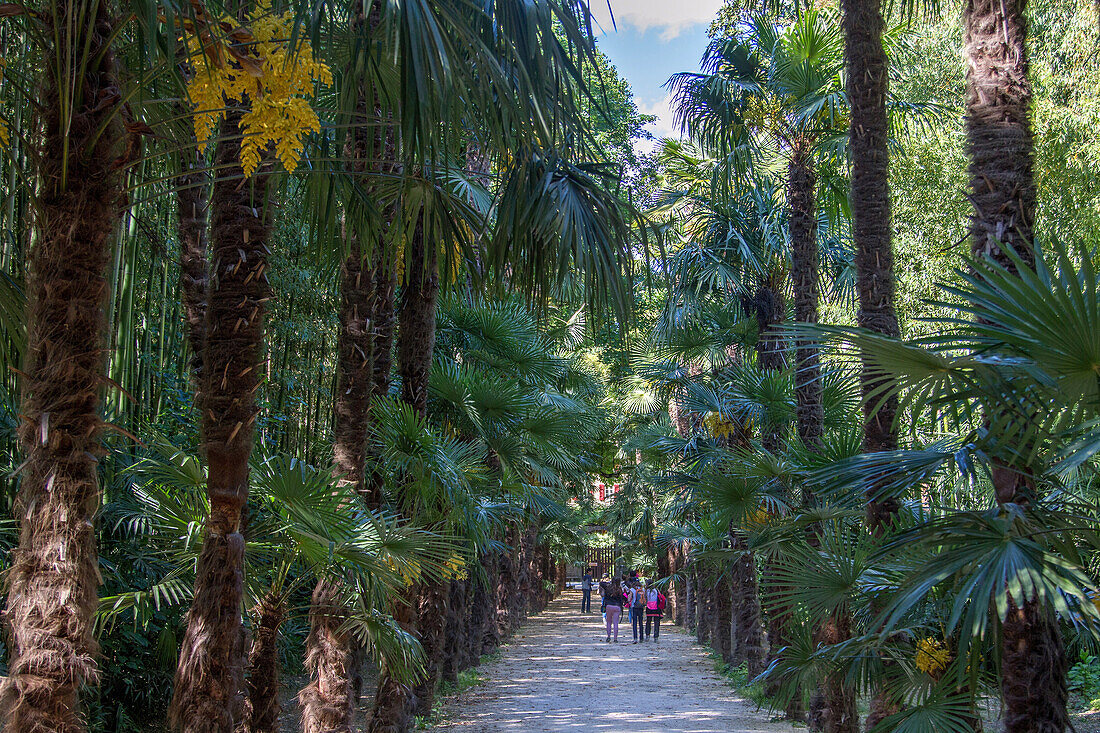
(867,73)
(998,129)
(783,89)
(209,677)
(1000,146)
(1015,372)
(79,202)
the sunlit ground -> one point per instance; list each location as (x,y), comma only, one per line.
(558,674)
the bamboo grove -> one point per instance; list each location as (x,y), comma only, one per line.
(320,320)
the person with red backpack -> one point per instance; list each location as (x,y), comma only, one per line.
(655,602)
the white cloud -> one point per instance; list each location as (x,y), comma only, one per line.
(672,17)
(664,126)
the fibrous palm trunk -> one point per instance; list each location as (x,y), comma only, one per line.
(192,203)
(396,703)
(769,305)
(704,607)
(747,645)
(833,704)
(721,633)
(801,185)
(329,699)
(690,596)
(208,684)
(867,78)
(54,575)
(867,71)
(263,666)
(998,129)
(1001,148)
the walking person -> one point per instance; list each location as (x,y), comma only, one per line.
(637,613)
(654,610)
(586,591)
(613,605)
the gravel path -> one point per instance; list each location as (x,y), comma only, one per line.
(558,674)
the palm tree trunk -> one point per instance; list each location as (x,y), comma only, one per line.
(870,201)
(703,617)
(833,705)
(747,646)
(192,202)
(868,76)
(416,322)
(55,571)
(770,308)
(208,684)
(1001,148)
(489,602)
(263,666)
(329,698)
(396,703)
(998,129)
(690,596)
(328,701)
(801,184)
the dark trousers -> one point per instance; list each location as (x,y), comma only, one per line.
(637,623)
(586,601)
(656,622)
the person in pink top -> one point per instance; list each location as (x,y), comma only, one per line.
(614,608)
(654,609)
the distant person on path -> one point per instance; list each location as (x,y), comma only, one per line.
(654,610)
(613,604)
(586,591)
(637,613)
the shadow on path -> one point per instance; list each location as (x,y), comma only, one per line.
(558,674)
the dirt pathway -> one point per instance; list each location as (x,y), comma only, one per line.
(558,674)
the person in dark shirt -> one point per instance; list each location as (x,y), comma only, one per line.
(586,591)
(613,605)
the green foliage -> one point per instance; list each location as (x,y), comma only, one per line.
(1084,682)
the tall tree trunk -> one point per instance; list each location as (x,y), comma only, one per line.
(490,602)
(703,616)
(328,701)
(676,597)
(192,203)
(263,666)
(868,76)
(208,684)
(396,703)
(801,184)
(747,646)
(870,201)
(721,634)
(769,305)
(690,596)
(998,129)
(1001,148)
(833,704)
(354,376)
(80,198)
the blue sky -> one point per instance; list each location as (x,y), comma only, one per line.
(650,41)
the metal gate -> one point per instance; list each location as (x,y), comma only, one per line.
(601,559)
